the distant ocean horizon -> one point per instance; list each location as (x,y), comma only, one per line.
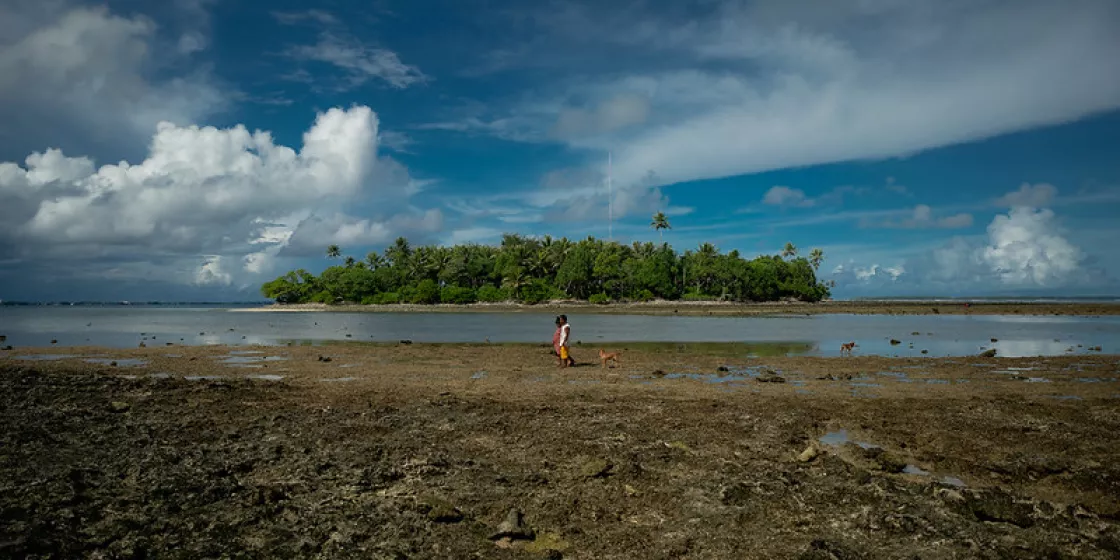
(886,299)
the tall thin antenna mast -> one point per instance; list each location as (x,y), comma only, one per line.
(610,201)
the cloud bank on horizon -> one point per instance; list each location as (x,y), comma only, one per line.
(158,150)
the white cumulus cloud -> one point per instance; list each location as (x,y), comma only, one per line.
(231,197)
(1033,196)
(785,196)
(1025,248)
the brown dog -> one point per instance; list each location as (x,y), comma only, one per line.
(605,357)
(846,348)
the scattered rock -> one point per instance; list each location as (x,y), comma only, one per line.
(550,545)
(441,511)
(658,373)
(324,358)
(895,342)
(596,468)
(54,341)
(406,341)
(770,377)
(995,340)
(935,311)
(142,345)
(1095,348)
(119,407)
(915,333)
(8,347)
(885,460)
(727,369)
(512,527)
(999,506)
(989,353)
(809,454)
(925,351)
(113,363)
(738,494)
(821,549)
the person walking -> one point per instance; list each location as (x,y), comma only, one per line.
(556,336)
(566,342)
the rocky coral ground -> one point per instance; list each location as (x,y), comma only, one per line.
(449,451)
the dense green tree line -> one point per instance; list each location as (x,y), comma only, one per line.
(535,270)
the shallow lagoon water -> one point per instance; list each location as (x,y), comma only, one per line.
(818,335)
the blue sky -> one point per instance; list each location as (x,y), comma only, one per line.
(192,149)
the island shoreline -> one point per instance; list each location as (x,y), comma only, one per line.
(725,309)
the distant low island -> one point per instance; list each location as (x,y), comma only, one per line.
(535,270)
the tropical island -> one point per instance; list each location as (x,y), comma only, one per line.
(532,270)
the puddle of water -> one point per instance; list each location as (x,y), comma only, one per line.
(705,377)
(803,391)
(244,352)
(246,366)
(265,377)
(347,365)
(584,381)
(338,379)
(914,469)
(252,359)
(125,362)
(1089,380)
(202,377)
(45,357)
(854,384)
(160,375)
(1066,397)
(953,481)
(937,381)
(840,437)
(174,355)
(751,371)
(1037,380)
(478,375)
(127,376)
(898,375)
(797,382)
(1020,369)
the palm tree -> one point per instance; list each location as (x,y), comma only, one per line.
(790,250)
(374,261)
(350,262)
(815,258)
(660,222)
(333,252)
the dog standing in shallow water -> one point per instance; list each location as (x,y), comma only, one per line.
(846,348)
(605,357)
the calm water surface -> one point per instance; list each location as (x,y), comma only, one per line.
(939,335)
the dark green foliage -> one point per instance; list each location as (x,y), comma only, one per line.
(456,294)
(599,299)
(536,270)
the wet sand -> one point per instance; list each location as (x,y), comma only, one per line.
(732,309)
(421,451)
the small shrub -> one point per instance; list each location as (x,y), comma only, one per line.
(697,296)
(599,299)
(457,295)
(491,294)
(538,291)
(387,298)
(426,292)
(644,295)
(322,297)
